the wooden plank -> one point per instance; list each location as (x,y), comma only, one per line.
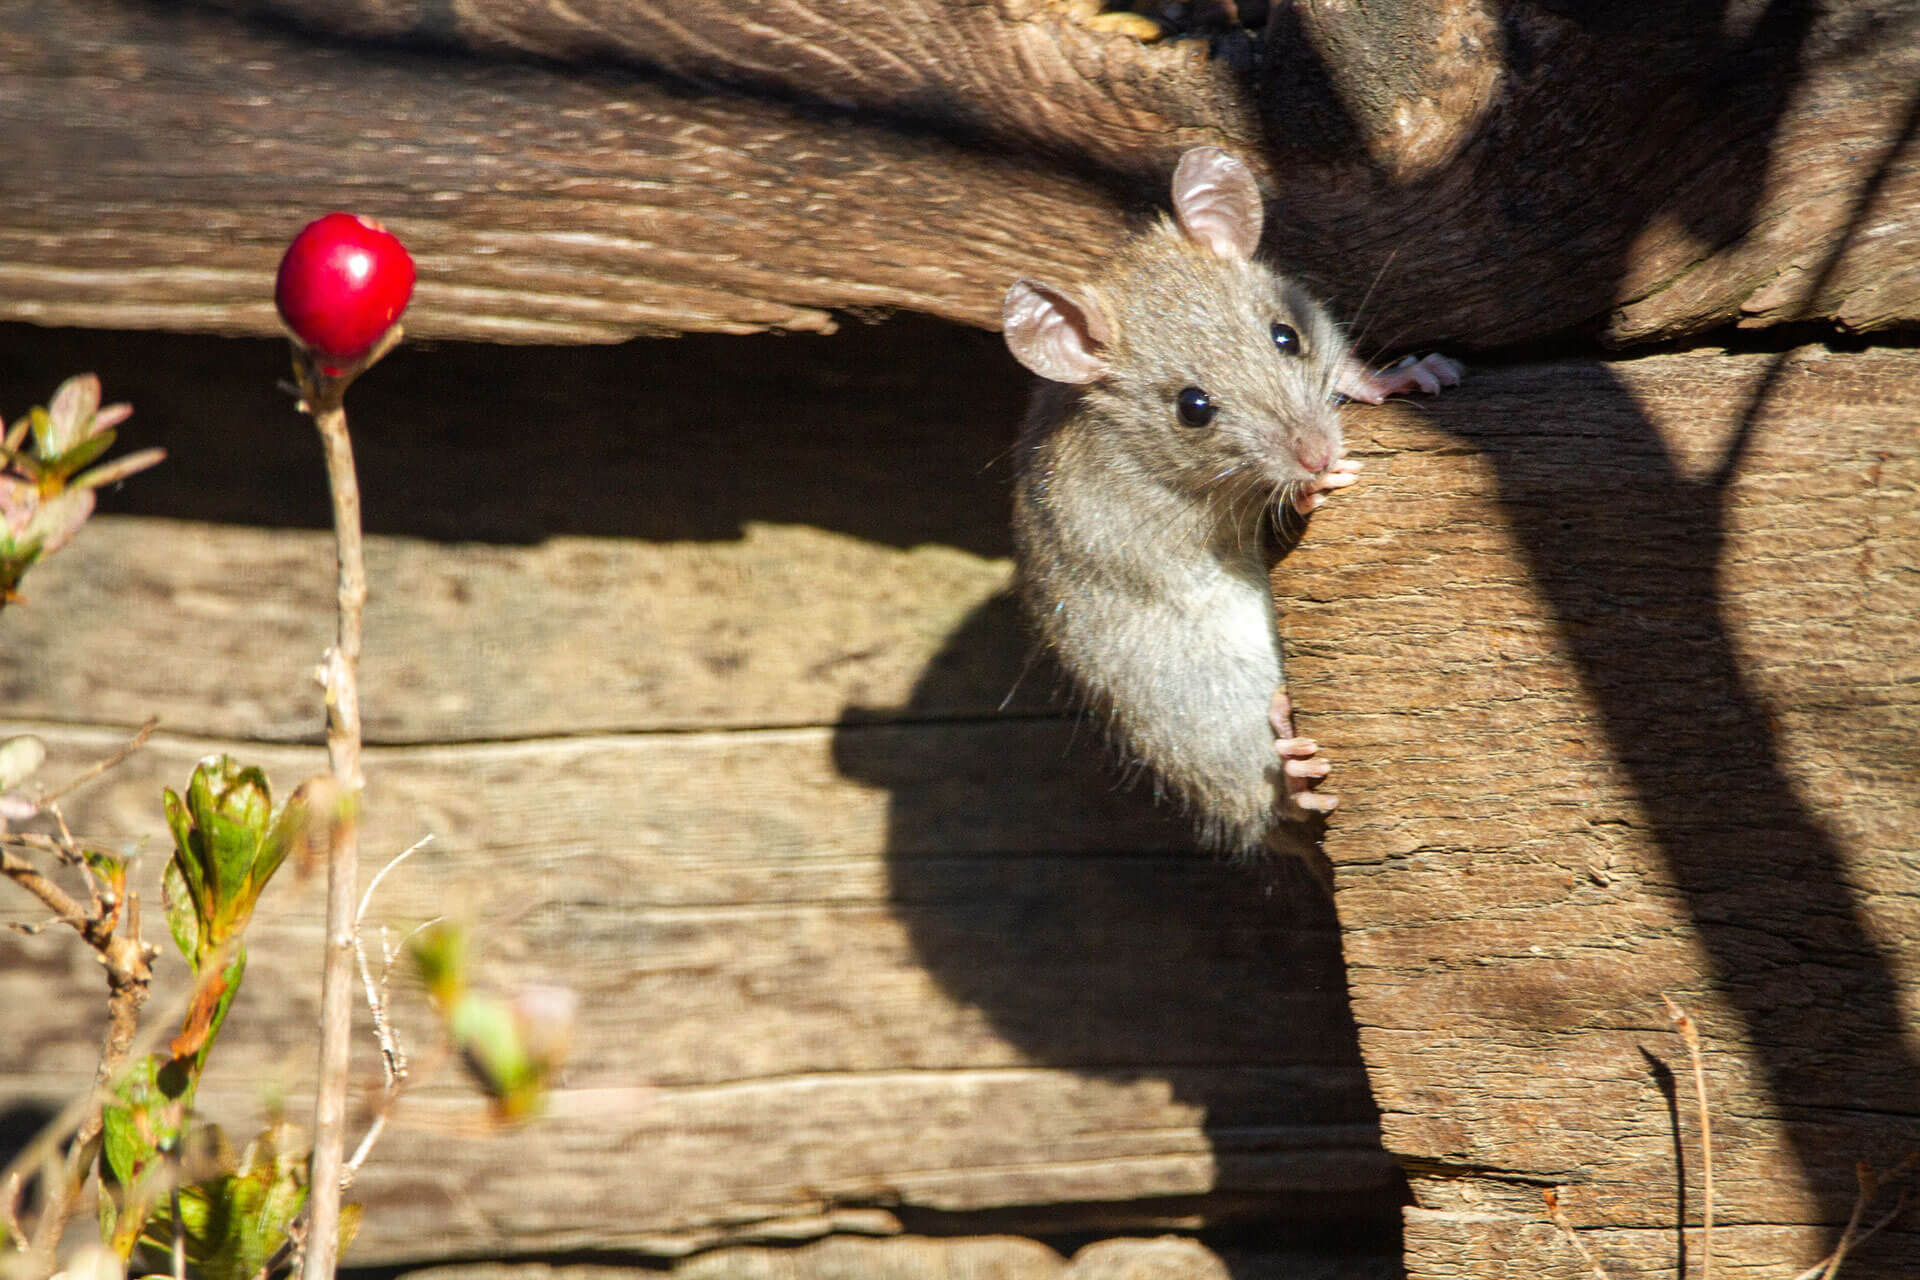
(1608,728)
(989,1257)
(559,555)
(905,1258)
(707,168)
(825,974)
(542,207)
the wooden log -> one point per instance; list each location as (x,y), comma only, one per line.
(1520,176)
(1617,666)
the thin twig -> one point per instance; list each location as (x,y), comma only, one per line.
(94,770)
(366,899)
(29,877)
(72,853)
(80,1117)
(393,1057)
(341,683)
(1852,1238)
(1559,1215)
(1690,1036)
(128,962)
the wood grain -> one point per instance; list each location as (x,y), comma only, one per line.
(821,971)
(862,955)
(1618,666)
(703,167)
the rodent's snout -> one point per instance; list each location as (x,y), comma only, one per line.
(1316,456)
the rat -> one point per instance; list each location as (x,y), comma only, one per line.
(1190,401)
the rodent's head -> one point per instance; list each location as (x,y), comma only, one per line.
(1217,371)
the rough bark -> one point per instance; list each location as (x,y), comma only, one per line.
(1444,173)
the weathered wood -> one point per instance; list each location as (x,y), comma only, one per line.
(865,977)
(656,557)
(1617,665)
(839,1258)
(824,973)
(1536,172)
(982,1257)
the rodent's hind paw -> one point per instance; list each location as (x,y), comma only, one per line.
(1426,374)
(1300,764)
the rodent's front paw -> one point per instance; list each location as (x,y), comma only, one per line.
(1300,764)
(1338,476)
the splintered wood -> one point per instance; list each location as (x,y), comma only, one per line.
(1618,668)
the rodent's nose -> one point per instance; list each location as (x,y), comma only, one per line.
(1315,458)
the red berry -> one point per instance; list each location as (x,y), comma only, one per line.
(343,282)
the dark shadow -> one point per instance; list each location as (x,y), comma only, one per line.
(1075,912)
(1670,1093)
(20,1124)
(884,432)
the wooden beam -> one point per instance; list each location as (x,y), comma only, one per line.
(1516,176)
(1616,663)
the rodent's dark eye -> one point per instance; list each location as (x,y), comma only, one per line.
(1287,339)
(1195,407)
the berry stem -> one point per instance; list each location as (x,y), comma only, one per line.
(340,679)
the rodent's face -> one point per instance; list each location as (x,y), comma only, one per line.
(1227,369)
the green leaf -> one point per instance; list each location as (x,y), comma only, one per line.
(234,1223)
(236,828)
(70,462)
(119,469)
(288,830)
(131,1137)
(42,430)
(488,1037)
(185,876)
(204,1019)
(183,917)
(439,953)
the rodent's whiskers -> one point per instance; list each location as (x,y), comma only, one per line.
(1360,320)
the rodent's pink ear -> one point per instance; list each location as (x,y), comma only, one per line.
(1052,333)
(1218,202)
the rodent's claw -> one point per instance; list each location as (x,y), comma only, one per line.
(1338,476)
(1300,765)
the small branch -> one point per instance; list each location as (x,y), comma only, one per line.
(1852,1238)
(321,398)
(1558,1213)
(1690,1036)
(366,899)
(29,877)
(393,1058)
(133,744)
